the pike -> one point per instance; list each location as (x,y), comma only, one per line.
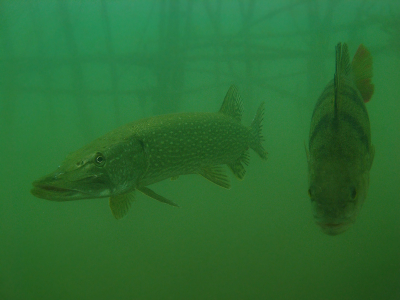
(150,150)
(340,151)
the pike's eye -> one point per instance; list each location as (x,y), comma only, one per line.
(99,160)
(353,193)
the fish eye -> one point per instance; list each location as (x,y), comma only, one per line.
(353,193)
(99,160)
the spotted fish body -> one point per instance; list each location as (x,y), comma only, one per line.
(202,140)
(340,150)
(150,150)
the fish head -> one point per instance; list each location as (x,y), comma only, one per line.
(337,192)
(97,170)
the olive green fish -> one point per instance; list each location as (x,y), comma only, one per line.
(147,151)
(340,150)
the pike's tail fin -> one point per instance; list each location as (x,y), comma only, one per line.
(256,133)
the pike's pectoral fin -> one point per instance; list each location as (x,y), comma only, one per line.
(156,196)
(216,175)
(120,204)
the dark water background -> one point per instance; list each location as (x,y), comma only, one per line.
(72,70)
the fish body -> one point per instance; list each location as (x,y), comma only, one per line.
(340,151)
(150,150)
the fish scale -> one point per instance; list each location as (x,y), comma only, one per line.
(150,150)
(204,139)
(340,151)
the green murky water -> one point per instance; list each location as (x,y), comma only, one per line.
(72,70)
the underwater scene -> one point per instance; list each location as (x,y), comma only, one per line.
(180,149)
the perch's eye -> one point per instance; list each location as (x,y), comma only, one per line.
(99,160)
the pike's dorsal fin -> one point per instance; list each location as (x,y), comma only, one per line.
(343,68)
(120,204)
(216,175)
(156,196)
(232,105)
(362,70)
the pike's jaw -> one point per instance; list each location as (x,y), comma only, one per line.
(55,193)
(60,191)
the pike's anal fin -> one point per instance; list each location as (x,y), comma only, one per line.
(120,204)
(216,175)
(154,195)
(237,167)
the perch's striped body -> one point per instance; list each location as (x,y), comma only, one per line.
(340,150)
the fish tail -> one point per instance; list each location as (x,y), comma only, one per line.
(362,71)
(256,133)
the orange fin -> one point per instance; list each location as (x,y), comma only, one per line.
(362,70)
